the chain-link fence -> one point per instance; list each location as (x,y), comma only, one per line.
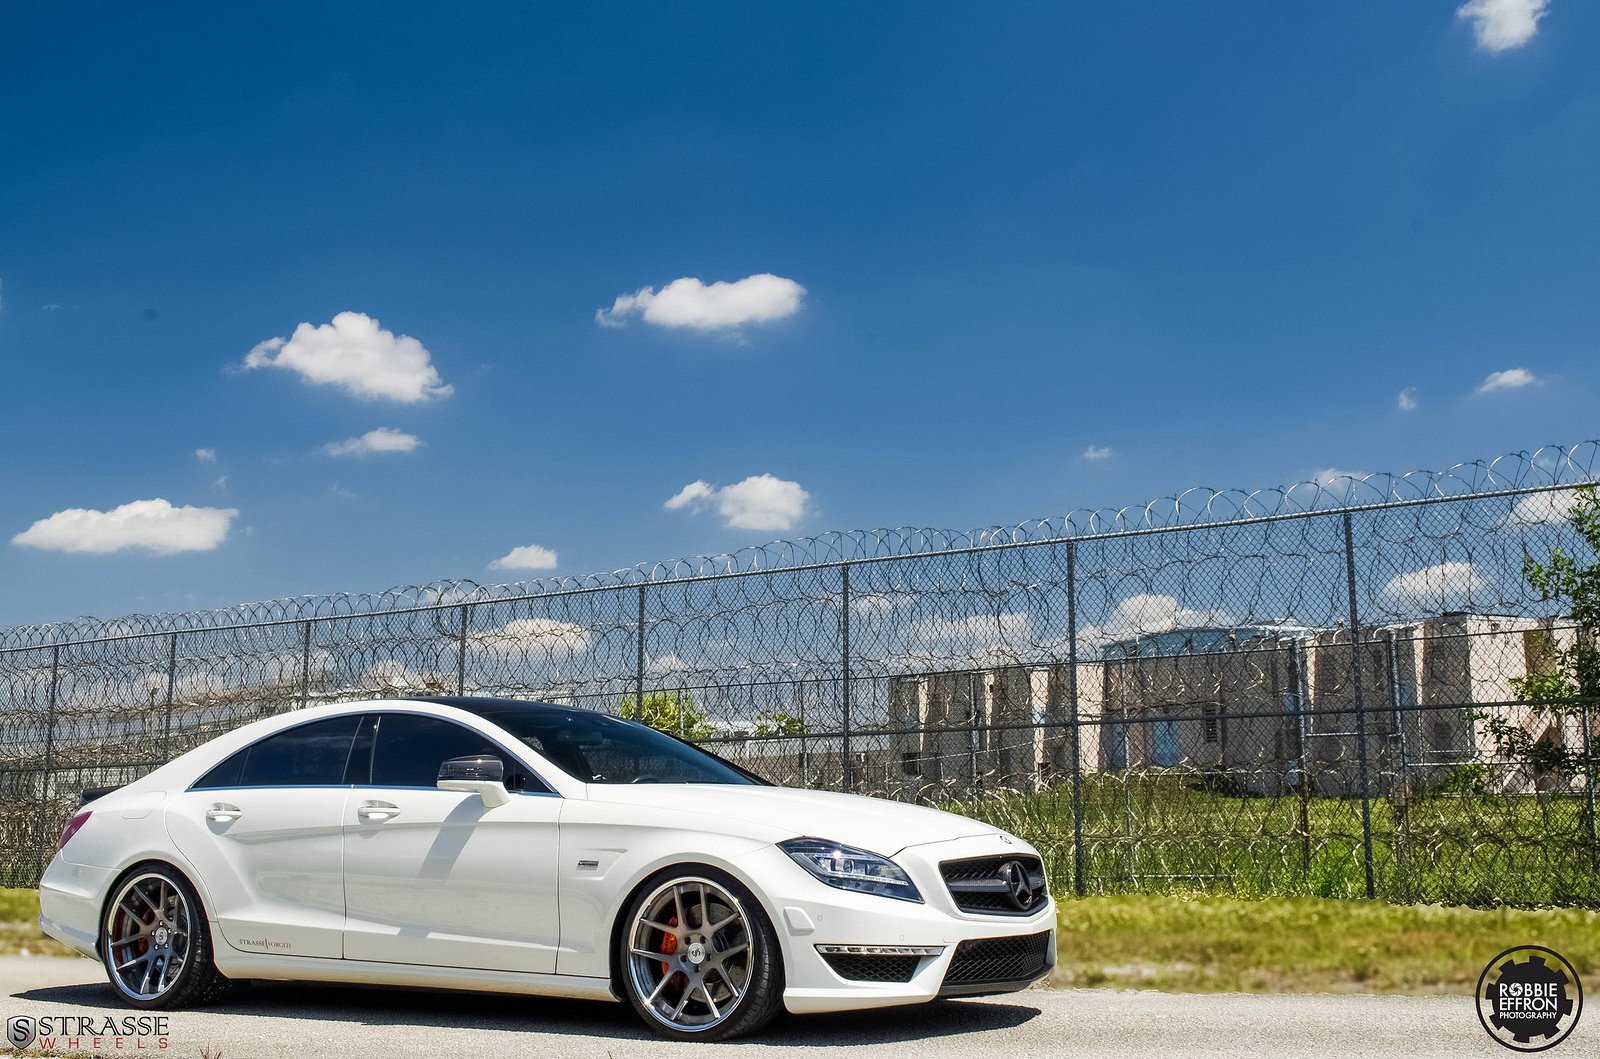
(1158,698)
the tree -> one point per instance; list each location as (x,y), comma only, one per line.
(668,711)
(1566,691)
(780,724)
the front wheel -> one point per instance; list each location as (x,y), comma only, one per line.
(700,959)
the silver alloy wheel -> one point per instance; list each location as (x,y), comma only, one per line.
(148,934)
(690,951)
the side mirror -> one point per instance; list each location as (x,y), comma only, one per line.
(480,774)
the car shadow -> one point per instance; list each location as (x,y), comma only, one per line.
(379,1006)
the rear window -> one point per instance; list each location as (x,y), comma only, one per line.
(309,755)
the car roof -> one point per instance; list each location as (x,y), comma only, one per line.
(489,706)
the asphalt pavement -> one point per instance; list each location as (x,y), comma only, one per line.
(280,1019)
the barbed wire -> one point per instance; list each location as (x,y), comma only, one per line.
(1543,468)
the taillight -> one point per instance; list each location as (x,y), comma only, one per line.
(71,829)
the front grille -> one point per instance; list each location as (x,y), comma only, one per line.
(999,960)
(1006,885)
(860,967)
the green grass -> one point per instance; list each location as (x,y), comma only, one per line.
(19,926)
(1167,832)
(16,905)
(1303,945)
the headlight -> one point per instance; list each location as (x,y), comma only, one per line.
(849,868)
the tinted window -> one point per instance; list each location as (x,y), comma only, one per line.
(227,773)
(597,748)
(409,749)
(310,755)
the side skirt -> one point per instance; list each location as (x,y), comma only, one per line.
(360,972)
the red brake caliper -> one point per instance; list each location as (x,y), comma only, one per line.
(669,945)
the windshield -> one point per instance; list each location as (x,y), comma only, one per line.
(597,748)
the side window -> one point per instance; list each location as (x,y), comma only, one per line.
(410,747)
(226,774)
(309,755)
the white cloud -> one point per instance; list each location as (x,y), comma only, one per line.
(666,665)
(981,639)
(220,482)
(1510,379)
(1539,509)
(687,302)
(871,604)
(526,557)
(689,495)
(1433,583)
(1012,626)
(151,525)
(1148,614)
(1503,24)
(391,676)
(1329,477)
(354,353)
(1097,452)
(206,455)
(543,633)
(1407,400)
(760,502)
(372,442)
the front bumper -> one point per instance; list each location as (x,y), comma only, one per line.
(807,913)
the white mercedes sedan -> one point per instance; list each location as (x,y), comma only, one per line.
(494,844)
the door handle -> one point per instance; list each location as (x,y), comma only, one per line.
(377,810)
(223,813)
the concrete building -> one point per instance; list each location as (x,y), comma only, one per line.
(1429,691)
(1223,701)
(1006,728)
(1261,709)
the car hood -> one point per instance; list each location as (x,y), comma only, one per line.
(873,824)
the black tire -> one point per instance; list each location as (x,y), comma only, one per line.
(197,980)
(760,997)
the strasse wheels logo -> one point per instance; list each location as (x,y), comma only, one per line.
(1529,998)
(86,1033)
(21,1031)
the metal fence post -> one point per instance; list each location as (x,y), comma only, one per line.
(1077,723)
(49,764)
(1588,784)
(638,667)
(975,759)
(1302,700)
(1361,711)
(800,698)
(1400,786)
(172,681)
(305,666)
(461,651)
(847,762)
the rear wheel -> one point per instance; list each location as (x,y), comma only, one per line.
(700,959)
(156,944)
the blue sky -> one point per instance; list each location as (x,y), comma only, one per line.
(1008,262)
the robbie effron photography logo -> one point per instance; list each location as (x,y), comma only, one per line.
(1529,998)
